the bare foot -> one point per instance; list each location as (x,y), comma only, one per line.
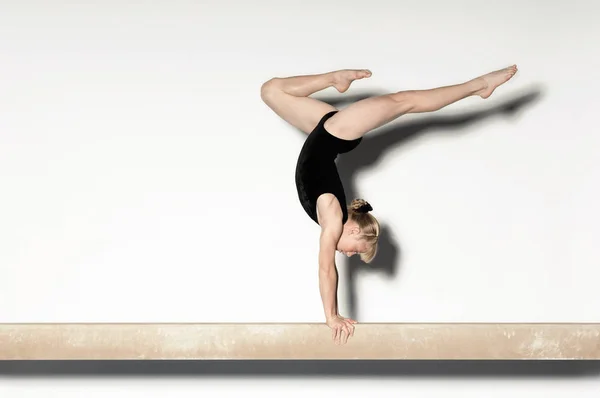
(494,79)
(343,78)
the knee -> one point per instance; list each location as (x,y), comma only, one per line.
(407,101)
(268,87)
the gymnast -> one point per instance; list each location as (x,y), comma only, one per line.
(349,229)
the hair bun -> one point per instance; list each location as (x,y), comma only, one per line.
(361,206)
(365,208)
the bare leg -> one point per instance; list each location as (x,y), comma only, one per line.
(288,96)
(366,115)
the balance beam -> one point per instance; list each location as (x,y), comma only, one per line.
(299,341)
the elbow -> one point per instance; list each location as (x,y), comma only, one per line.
(327,269)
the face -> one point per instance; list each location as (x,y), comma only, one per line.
(350,242)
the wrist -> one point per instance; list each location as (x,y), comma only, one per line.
(329,317)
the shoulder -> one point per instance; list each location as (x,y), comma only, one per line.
(329,212)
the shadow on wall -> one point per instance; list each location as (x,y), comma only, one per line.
(372,149)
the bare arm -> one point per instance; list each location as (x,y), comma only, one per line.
(328,272)
(330,219)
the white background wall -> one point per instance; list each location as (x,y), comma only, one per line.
(143,180)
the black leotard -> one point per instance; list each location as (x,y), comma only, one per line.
(316,171)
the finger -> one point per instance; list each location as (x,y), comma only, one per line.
(351,330)
(340,336)
(347,335)
(350,327)
(333,333)
(343,334)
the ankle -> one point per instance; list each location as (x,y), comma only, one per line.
(478,85)
(332,77)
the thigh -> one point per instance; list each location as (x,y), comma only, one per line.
(363,116)
(303,113)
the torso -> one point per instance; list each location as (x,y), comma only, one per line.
(316,171)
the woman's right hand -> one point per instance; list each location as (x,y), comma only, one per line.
(341,328)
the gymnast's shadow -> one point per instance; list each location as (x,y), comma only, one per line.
(372,149)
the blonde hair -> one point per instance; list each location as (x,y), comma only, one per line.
(358,211)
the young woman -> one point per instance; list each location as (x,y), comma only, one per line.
(349,229)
